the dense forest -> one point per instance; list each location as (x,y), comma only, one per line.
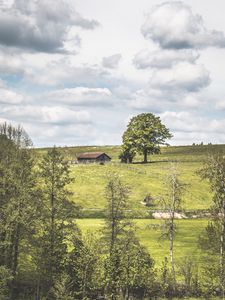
(44,254)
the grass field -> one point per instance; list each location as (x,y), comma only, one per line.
(89,192)
(90,180)
(149,232)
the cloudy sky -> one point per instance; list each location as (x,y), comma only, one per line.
(73,72)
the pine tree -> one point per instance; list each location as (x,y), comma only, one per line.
(17,196)
(57,216)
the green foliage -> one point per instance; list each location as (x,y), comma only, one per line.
(127,153)
(85,267)
(117,196)
(214,171)
(144,134)
(61,288)
(57,220)
(5,279)
(129,267)
(18,195)
(43,254)
(189,272)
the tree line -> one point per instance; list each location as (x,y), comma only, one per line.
(45,256)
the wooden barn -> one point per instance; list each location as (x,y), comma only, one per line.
(93,157)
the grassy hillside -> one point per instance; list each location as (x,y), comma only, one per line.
(90,180)
(149,232)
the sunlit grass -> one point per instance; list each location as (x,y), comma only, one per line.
(150,231)
(90,180)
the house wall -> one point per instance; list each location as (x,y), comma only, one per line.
(102,158)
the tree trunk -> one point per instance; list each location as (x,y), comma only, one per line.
(16,250)
(222,234)
(145,156)
(171,252)
(171,230)
(38,291)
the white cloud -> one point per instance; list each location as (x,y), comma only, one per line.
(184,76)
(11,63)
(82,96)
(43,114)
(63,71)
(189,122)
(159,100)
(85,98)
(163,58)
(189,127)
(112,61)
(173,26)
(10,97)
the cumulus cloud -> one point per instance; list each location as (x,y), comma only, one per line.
(11,64)
(9,97)
(176,77)
(159,100)
(57,115)
(82,96)
(174,26)
(61,71)
(40,25)
(184,76)
(112,61)
(164,58)
(190,127)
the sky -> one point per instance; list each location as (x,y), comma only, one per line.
(73,72)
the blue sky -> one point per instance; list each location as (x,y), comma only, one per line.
(74,72)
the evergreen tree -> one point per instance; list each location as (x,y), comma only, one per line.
(85,267)
(17,197)
(214,238)
(58,214)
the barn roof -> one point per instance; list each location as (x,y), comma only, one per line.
(90,155)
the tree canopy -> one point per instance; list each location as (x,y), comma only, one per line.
(144,134)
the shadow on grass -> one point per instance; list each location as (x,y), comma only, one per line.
(152,162)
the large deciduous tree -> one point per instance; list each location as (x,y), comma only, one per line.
(144,134)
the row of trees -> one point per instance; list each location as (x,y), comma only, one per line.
(44,255)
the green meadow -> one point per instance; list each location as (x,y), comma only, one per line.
(90,180)
(150,234)
(88,191)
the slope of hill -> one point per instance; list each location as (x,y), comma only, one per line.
(90,180)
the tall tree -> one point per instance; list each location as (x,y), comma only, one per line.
(144,134)
(214,172)
(17,195)
(129,268)
(171,204)
(85,267)
(57,218)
